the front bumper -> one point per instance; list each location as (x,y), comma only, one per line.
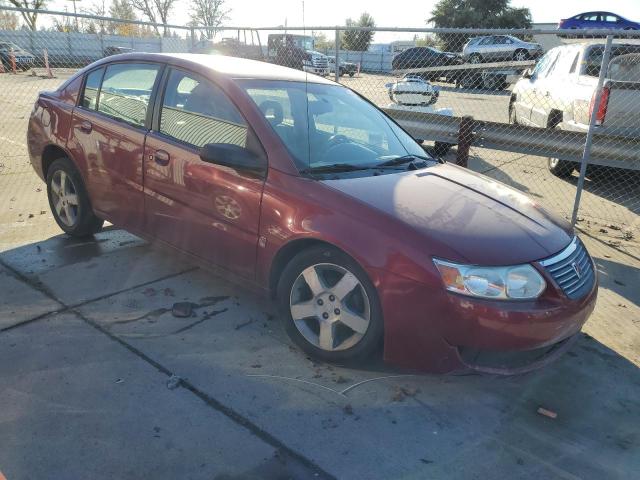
(323,72)
(432,330)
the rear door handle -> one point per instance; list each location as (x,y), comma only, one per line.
(161,157)
(86,126)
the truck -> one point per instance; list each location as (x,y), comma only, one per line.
(296,51)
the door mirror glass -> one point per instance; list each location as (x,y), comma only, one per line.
(233,156)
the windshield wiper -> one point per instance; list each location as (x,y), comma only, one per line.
(402,160)
(336,168)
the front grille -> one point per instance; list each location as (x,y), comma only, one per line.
(320,62)
(572,269)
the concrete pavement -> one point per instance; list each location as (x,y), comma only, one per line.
(84,393)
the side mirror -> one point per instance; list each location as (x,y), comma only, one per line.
(233,156)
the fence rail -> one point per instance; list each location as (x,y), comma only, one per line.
(598,175)
(607,150)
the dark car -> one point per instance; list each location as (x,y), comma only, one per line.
(108,51)
(425,57)
(345,68)
(598,20)
(300,188)
(24,60)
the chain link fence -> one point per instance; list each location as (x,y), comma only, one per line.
(554,114)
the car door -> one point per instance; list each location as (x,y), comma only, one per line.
(502,48)
(609,20)
(107,139)
(526,89)
(208,210)
(542,93)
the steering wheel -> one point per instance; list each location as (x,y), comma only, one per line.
(337,139)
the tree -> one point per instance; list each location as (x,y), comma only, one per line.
(8,20)
(358,40)
(426,41)
(99,9)
(155,10)
(209,14)
(322,43)
(475,14)
(30,18)
(123,10)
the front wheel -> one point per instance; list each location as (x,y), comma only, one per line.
(440,149)
(329,305)
(520,55)
(561,168)
(69,201)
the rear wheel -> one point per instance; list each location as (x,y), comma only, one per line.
(69,200)
(561,168)
(475,58)
(329,305)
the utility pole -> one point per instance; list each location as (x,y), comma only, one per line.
(75,12)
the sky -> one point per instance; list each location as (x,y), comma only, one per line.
(405,13)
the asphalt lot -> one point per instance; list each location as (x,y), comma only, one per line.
(88,348)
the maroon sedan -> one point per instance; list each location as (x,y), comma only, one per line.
(300,187)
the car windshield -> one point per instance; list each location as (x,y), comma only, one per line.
(326,125)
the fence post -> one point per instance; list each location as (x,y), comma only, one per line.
(586,153)
(465,136)
(193,37)
(337,55)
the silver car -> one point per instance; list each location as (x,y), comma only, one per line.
(495,48)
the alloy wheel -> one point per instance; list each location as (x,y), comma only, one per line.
(64,198)
(330,307)
(520,56)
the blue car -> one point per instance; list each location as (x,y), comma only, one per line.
(598,20)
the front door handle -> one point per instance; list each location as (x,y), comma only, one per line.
(86,126)
(161,157)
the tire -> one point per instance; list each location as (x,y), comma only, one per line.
(69,201)
(475,58)
(328,308)
(440,149)
(561,168)
(520,55)
(513,119)
(351,74)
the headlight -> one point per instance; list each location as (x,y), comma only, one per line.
(520,282)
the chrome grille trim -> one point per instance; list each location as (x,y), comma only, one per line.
(561,268)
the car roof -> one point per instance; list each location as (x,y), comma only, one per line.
(232,67)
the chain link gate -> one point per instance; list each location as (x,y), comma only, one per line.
(555,114)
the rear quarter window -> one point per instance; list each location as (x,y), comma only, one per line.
(91,89)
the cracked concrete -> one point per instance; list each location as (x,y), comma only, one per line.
(83,392)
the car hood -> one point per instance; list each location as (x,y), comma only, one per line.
(484,221)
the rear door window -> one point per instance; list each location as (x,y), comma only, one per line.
(126,90)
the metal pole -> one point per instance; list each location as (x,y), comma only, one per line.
(465,137)
(586,153)
(337,57)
